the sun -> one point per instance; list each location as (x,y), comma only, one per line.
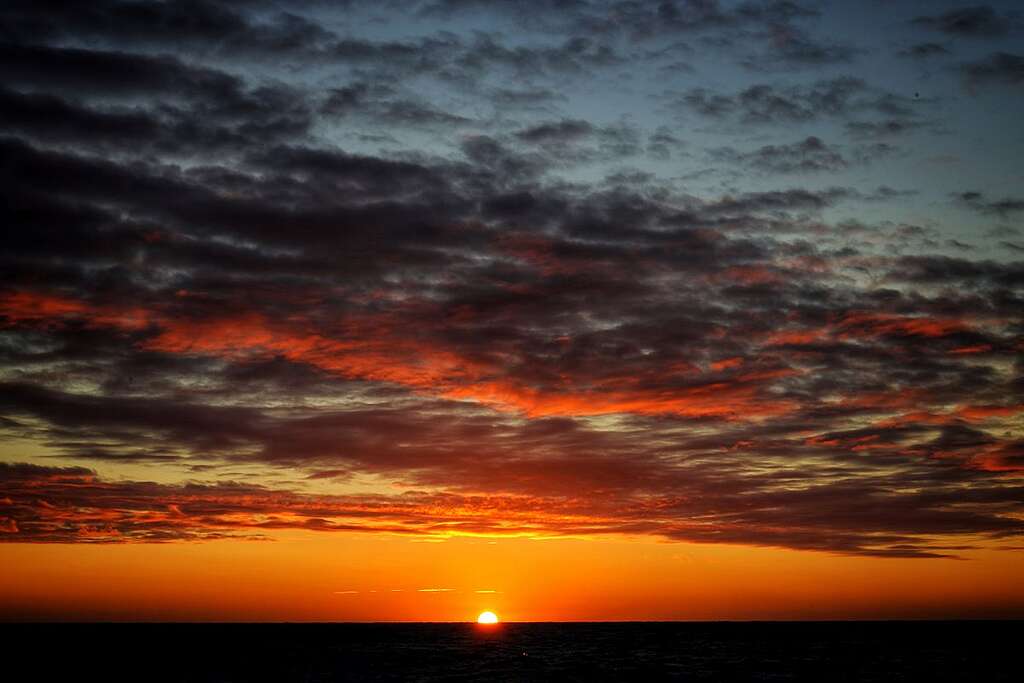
(487,618)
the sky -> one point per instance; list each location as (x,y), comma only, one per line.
(577,310)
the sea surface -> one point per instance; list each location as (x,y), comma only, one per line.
(688,651)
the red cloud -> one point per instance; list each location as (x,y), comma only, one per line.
(71,505)
(863,324)
(379,348)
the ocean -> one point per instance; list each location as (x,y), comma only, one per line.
(685,651)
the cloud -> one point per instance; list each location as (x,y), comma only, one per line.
(380,103)
(572,141)
(1000,207)
(636,20)
(557,133)
(883,128)
(976,22)
(770,104)
(789,47)
(807,156)
(170,24)
(999,68)
(980,273)
(267,258)
(925,51)
(115,73)
(72,506)
(192,109)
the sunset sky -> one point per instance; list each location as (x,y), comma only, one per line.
(569,310)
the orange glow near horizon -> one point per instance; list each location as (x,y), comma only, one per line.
(303,576)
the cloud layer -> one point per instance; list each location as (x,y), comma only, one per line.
(251,254)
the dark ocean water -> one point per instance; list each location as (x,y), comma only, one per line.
(760,651)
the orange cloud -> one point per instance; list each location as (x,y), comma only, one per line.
(795,338)
(47,310)
(978,413)
(726,364)
(750,275)
(379,348)
(979,348)
(864,324)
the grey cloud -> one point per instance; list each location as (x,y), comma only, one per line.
(995,207)
(807,156)
(766,103)
(999,68)
(980,21)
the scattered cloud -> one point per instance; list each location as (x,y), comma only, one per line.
(489,277)
(807,156)
(977,201)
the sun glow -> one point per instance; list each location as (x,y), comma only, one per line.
(487,618)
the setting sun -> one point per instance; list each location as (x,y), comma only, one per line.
(487,618)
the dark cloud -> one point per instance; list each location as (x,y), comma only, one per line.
(637,20)
(788,47)
(213,26)
(381,104)
(999,68)
(190,107)
(573,56)
(662,143)
(884,128)
(925,51)
(946,268)
(885,192)
(84,72)
(690,15)
(977,22)
(558,133)
(765,103)
(169,131)
(578,141)
(52,504)
(524,98)
(807,156)
(868,153)
(772,25)
(994,207)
